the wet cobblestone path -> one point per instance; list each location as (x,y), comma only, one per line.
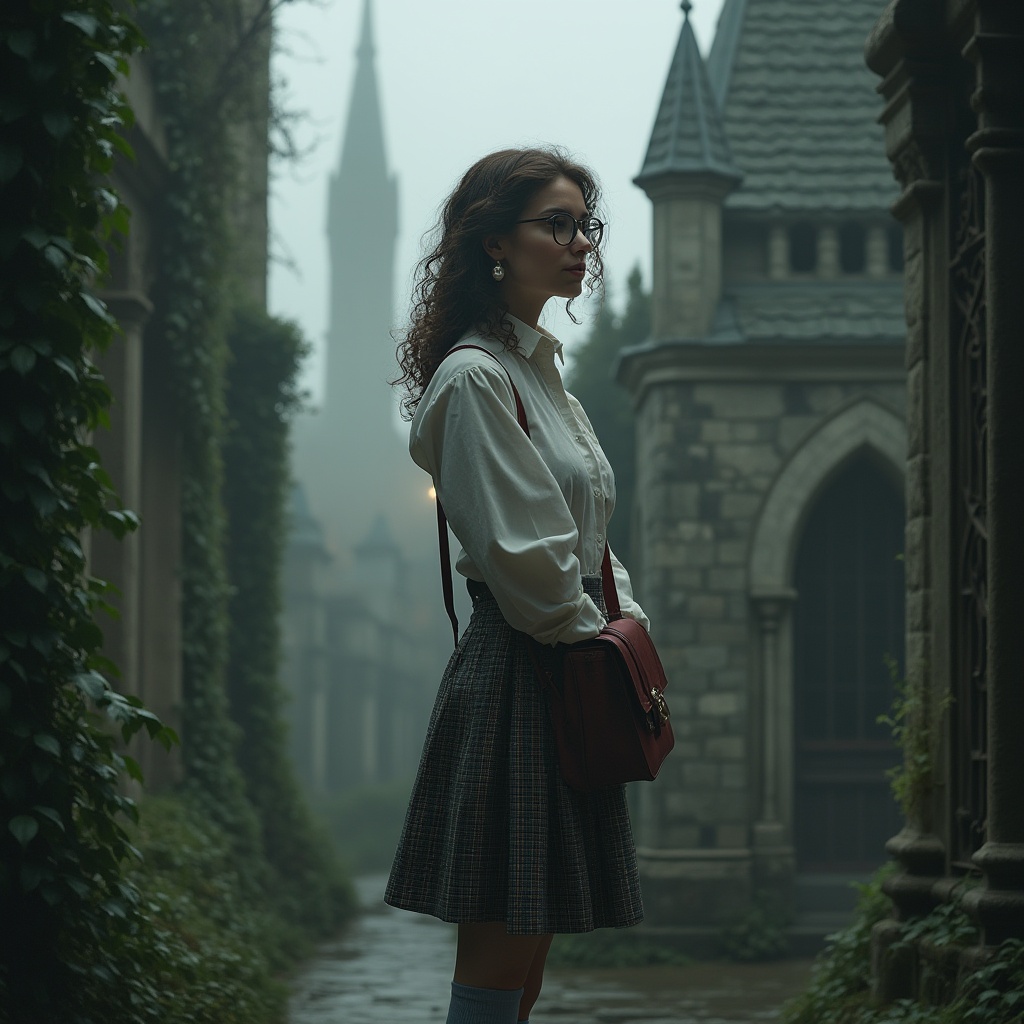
(392,967)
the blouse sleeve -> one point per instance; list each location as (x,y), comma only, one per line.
(504,506)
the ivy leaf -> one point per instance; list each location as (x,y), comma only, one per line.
(10,161)
(22,43)
(35,578)
(23,359)
(57,123)
(24,828)
(86,22)
(92,684)
(97,307)
(48,742)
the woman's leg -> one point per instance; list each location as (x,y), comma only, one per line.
(534,978)
(488,957)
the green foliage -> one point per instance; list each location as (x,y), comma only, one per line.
(607,404)
(365,823)
(763,934)
(211,953)
(912,723)
(64,901)
(842,974)
(262,394)
(839,992)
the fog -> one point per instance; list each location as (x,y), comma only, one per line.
(460,78)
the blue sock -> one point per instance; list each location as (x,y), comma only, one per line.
(472,1005)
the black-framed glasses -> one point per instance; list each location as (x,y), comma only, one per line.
(564,227)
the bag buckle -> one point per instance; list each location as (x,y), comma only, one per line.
(659,702)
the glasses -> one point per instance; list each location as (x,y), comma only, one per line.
(564,228)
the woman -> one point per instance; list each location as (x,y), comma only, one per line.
(494,840)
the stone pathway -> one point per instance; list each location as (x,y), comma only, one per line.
(392,967)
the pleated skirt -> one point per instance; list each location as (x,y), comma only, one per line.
(493,833)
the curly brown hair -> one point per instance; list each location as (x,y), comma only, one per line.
(455,291)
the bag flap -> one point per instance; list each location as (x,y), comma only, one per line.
(638,651)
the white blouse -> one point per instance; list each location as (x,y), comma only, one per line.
(532,512)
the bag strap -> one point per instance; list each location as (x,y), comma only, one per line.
(611,596)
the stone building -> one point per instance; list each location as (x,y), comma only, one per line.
(768,531)
(952,78)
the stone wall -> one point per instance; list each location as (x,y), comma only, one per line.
(709,453)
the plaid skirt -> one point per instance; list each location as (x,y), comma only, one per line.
(492,832)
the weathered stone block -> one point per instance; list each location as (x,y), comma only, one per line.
(727,579)
(729,401)
(732,552)
(732,836)
(747,432)
(918,611)
(701,774)
(748,459)
(715,431)
(706,606)
(718,704)
(740,506)
(700,657)
(793,429)
(727,634)
(823,398)
(734,775)
(917,556)
(918,497)
(684,501)
(731,678)
(725,748)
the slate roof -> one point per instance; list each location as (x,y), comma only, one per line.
(687,134)
(819,313)
(799,105)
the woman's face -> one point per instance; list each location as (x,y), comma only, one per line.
(537,268)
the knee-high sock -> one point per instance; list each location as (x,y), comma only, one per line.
(472,1005)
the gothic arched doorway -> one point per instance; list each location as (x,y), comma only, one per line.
(848,619)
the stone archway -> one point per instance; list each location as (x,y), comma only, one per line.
(863,425)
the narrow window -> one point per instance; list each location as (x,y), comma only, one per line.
(803,248)
(852,249)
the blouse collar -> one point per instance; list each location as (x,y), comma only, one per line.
(529,339)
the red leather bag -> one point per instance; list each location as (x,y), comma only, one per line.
(607,696)
(608,709)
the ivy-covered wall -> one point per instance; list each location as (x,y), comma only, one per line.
(198,929)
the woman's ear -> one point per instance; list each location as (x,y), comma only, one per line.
(494,248)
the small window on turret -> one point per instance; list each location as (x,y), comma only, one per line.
(852,248)
(803,248)
(895,236)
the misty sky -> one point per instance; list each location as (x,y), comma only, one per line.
(458,79)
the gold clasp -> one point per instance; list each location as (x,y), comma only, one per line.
(659,702)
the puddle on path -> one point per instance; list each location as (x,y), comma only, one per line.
(392,967)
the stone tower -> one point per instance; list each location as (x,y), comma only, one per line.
(769,466)
(350,455)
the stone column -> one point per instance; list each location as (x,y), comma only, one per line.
(778,252)
(773,851)
(877,251)
(117,560)
(997,50)
(915,80)
(828,251)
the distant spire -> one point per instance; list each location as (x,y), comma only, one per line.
(688,136)
(365,50)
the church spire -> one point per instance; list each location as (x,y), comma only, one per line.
(688,136)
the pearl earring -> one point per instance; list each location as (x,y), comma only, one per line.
(498,272)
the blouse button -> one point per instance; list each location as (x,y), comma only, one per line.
(597,492)
(600,538)
(579,439)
